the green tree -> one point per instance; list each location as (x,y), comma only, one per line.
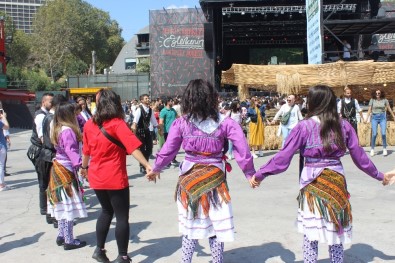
(20,49)
(67,30)
(54,33)
(143,66)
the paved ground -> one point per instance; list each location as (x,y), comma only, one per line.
(264,217)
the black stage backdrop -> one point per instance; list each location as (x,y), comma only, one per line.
(177,50)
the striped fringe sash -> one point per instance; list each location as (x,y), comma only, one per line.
(61,180)
(202,184)
(328,193)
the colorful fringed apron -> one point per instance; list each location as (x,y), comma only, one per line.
(61,180)
(202,184)
(328,193)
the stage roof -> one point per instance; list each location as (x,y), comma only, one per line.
(361,26)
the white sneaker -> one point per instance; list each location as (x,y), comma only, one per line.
(254,156)
(372,152)
(5,188)
(385,153)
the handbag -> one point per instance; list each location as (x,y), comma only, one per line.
(254,118)
(112,139)
(286,116)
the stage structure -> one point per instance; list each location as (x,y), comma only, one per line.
(177,50)
(274,32)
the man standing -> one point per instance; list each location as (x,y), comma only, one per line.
(290,115)
(348,108)
(166,117)
(37,142)
(143,117)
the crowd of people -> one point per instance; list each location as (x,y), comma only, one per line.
(73,143)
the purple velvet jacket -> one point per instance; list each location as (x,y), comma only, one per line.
(205,147)
(305,136)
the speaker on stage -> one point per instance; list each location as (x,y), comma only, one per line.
(208,36)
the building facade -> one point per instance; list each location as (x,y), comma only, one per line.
(22,12)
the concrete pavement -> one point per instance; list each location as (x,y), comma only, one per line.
(264,217)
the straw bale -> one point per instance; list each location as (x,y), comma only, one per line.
(272,141)
(364,134)
(289,84)
(390,133)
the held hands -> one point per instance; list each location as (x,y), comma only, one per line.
(151,175)
(389,178)
(254,183)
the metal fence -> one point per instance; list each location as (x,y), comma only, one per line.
(128,86)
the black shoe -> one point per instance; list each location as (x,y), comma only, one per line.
(142,170)
(120,259)
(7,174)
(100,255)
(49,219)
(55,223)
(73,246)
(43,211)
(60,241)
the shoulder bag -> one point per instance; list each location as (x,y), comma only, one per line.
(286,116)
(112,139)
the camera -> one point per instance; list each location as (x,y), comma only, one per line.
(1,111)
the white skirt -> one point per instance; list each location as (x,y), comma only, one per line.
(70,208)
(218,222)
(316,228)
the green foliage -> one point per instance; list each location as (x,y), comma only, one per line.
(33,80)
(143,66)
(20,49)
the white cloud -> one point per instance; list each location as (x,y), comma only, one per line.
(176,7)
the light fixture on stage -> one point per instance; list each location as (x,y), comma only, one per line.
(223,13)
(243,13)
(290,16)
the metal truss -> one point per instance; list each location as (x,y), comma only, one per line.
(284,9)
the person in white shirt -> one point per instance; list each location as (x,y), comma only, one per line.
(143,118)
(294,117)
(346,50)
(348,108)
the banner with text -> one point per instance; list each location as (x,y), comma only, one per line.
(177,50)
(314,31)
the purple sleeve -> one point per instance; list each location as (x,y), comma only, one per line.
(358,154)
(71,146)
(170,148)
(281,161)
(241,149)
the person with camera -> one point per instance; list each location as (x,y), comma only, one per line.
(289,115)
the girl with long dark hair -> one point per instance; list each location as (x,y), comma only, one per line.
(107,170)
(204,206)
(65,195)
(324,213)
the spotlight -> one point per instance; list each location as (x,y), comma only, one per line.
(243,13)
(290,16)
(252,15)
(223,13)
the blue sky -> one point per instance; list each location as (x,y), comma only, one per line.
(133,15)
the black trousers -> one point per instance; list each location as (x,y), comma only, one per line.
(146,147)
(43,169)
(118,202)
